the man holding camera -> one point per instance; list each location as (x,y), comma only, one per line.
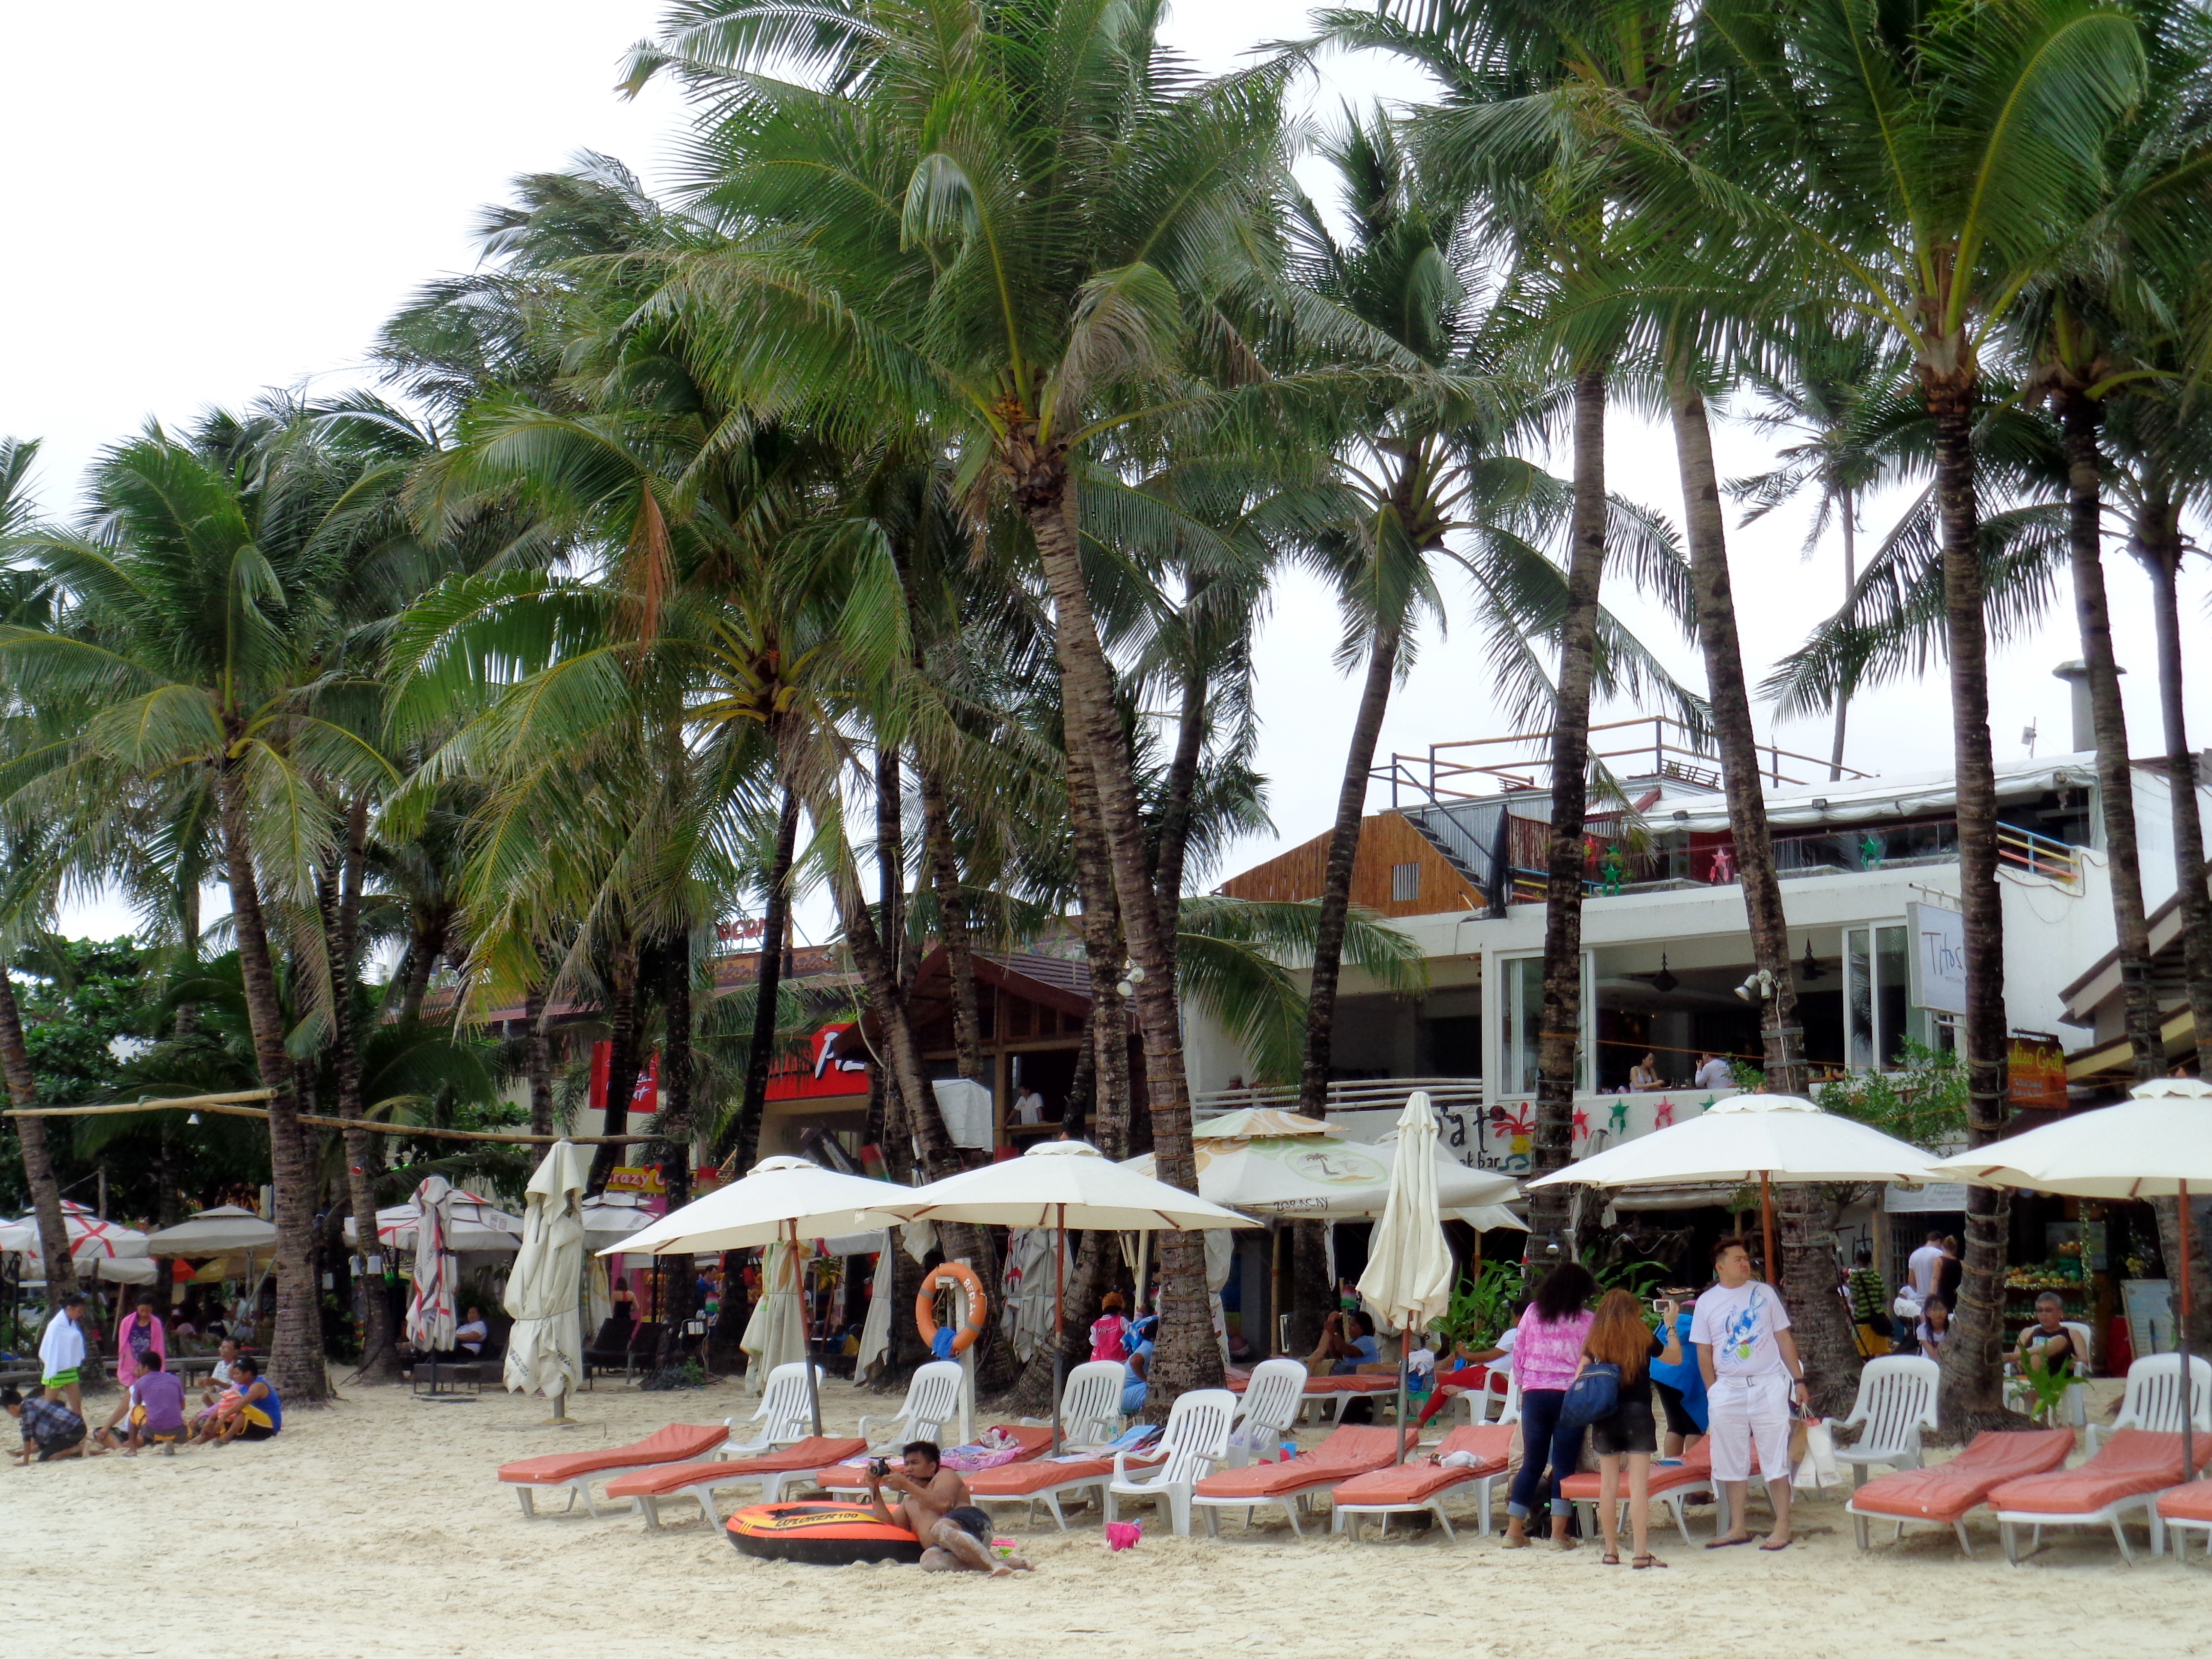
(936,1509)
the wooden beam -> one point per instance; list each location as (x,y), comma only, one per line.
(223,1104)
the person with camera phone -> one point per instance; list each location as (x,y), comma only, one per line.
(936,1509)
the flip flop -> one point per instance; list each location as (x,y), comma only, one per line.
(1770,1547)
(1729,1543)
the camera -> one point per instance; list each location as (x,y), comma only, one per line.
(879,1466)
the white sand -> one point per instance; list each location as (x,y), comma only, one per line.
(375,1530)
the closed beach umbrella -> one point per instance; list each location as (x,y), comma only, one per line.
(1061,1184)
(777,1332)
(430,1309)
(1409,1267)
(2156,1145)
(545,1349)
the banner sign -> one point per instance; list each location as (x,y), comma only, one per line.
(2037,1072)
(645,1097)
(637,1178)
(1938,977)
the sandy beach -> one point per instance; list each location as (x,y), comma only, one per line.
(374,1530)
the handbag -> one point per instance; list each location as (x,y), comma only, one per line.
(1593,1393)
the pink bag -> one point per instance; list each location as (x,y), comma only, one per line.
(1123,1535)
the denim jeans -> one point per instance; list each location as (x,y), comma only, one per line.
(1542,1440)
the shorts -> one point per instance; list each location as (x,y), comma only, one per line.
(68,1379)
(1679,1420)
(973,1521)
(50,1449)
(256,1431)
(1628,1427)
(1748,1413)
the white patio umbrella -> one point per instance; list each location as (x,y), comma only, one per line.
(780,1199)
(1409,1266)
(1061,1184)
(430,1307)
(1753,1138)
(2156,1145)
(474,1226)
(1312,1177)
(225,1229)
(90,1238)
(545,1349)
(613,1216)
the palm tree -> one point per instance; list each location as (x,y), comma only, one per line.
(188,642)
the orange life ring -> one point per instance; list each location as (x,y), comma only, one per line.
(953,1275)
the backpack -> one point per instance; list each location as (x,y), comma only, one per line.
(1108,1334)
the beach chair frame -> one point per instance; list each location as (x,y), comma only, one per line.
(784,1410)
(1895,1403)
(932,1400)
(1192,1445)
(1272,1403)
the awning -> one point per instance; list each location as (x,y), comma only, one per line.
(2177,1036)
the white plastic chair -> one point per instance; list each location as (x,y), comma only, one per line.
(1477,1402)
(784,1412)
(1090,1404)
(932,1400)
(1896,1401)
(2077,1397)
(1272,1402)
(2153,1399)
(1195,1441)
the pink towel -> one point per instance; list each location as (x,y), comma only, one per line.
(126,1364)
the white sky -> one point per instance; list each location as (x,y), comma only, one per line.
(232,197)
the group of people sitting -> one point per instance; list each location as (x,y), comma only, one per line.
(237,1402)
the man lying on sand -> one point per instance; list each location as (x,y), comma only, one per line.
(937,1510)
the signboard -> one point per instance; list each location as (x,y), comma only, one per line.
(2037,1074)
(637,1178)
(2148,1304)
(1936,1197)
(644,1097)
(1938,977)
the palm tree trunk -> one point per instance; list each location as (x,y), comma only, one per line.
(1807,1275)
(1106,1037)
(364,1156)
(1187,1356)
(767,983)
(37,1163)
(538,1061)
(622,1058)
(891,867)
(1343,851)
(2159,540)
(1849,508)
(296,1357)
(1971,1397)
(424,947)
(953,924)
(1558,1060)
(2081,417)
(674,1122)
(1177,798)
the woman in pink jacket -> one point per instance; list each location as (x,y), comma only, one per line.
(139,1334)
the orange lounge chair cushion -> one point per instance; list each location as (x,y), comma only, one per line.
(1694,1470)
(679,1443)
(674,1476)
(1351,1450)
(1035,1443)
(2133,1461)
(2191,1502)
(1417,1483)
(1326,1385)
(1027,1479)
(1949,1490)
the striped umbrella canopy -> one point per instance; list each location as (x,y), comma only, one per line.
(90,1238)
(430,1309)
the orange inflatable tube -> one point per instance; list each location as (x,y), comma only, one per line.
(949,1274)
(820,1534)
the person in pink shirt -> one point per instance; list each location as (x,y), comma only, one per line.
(138,1335)
(1545,1356)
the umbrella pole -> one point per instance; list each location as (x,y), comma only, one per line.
(2181,1342)
(1766,1222)
(805,1341)
(1405,1348)
(1059,1319)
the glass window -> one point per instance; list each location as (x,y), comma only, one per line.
(1877,1018)
(1890,971)
(1524,1024)
(1858,999)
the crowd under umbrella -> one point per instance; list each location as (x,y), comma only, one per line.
(2157,1144)
(1061,1184)
(1408,1278)
(430,1306)
(546,1348)
(780,1200)
(1752,1139)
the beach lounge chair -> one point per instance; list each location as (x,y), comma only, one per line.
(2126,1476)
(1192,1446)
(784,1414)
(1672,1484)
(1943,1495)
(1048,1480)
(1896,1400)
(851,1478)
(932,1400)
(795,1464)
(1406,1488)
(1292,1482)
(678,1442)
(1273,1395)
(1090,1404)
(2152,1398)
(2184,1509)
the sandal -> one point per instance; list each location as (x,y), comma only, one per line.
(1610,1559)
(1647,1561)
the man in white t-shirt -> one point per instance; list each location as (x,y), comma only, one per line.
(1751,1374)
(472,1333)
(1713,1072)
(1924,1265)
(1028,1107)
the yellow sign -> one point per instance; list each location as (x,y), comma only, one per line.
(637,1178)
